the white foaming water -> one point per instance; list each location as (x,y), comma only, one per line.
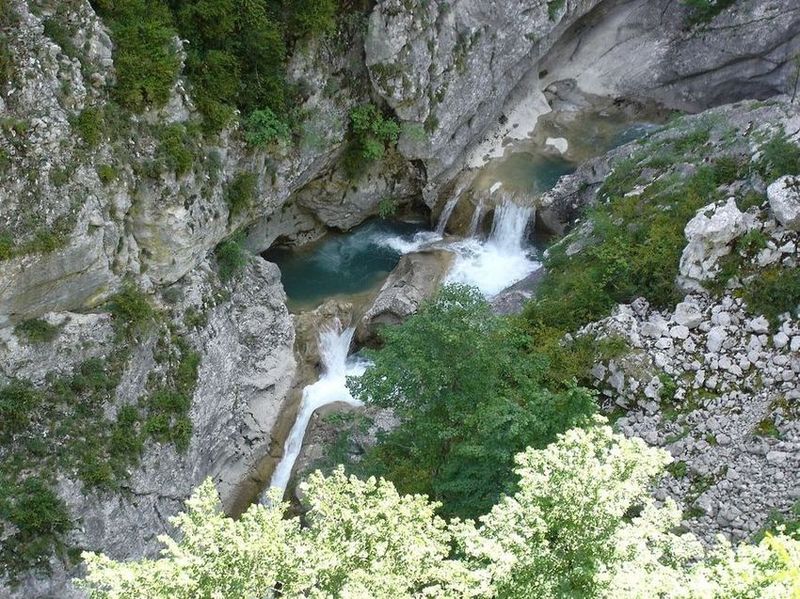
(402,245)
(447,212)
(330,388)
(502,260)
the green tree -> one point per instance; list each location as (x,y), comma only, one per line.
(581,525)
(467,392)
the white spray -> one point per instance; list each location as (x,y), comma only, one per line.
(334,345)
(500,261)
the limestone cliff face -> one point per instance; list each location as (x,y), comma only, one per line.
(115,205)
(247,368)
(453,71)
(448,68)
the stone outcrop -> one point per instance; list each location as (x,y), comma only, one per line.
(784,201)
(710,234)
(413,280)
(246,371)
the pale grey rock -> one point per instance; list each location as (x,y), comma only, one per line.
(688,314)
(709,234)
(716,337)
(780,340)
(759,325)
(414,280)
(679,332)
(784,201)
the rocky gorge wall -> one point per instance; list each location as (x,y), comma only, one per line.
(84,213)
(473,74)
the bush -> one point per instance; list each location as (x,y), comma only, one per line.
(370,133)
(6,246)
(106,173)
(37,330)
(240,193)
(312,17)
(18,399)
(773,292)
(7,68)
(554,7)
(145,55)
(231,258)
(263,128)
(175,149)
(131,309)
(89,124)
(779,157)
(704,11)
(41,520)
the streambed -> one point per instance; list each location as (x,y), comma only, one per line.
(349,264)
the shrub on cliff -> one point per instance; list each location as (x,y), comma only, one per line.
(370,133)
(145,56)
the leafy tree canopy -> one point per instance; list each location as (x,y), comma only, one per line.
(582,524)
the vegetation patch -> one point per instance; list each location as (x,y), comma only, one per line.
(263,128)
(779,157)
(167,405)
(36,330)
(176,147)
(145,54)
(464,419)
(554,8)
(370,133)
(773,292)
(702,12)
(240,193)
(132,311)
(231,258)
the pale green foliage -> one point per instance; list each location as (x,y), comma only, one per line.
(564,533)
(581,525)
(362,540)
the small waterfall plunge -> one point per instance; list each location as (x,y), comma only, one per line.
(334,344)
(447,212)
(509,226)
(500,261)
(476,219)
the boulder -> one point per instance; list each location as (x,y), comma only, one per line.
(784,201)
(709,234)
(414,280)
(688,314)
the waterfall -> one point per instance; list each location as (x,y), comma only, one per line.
(476,220)
(509,225)
(447,212)
(331,387)
(500,261)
